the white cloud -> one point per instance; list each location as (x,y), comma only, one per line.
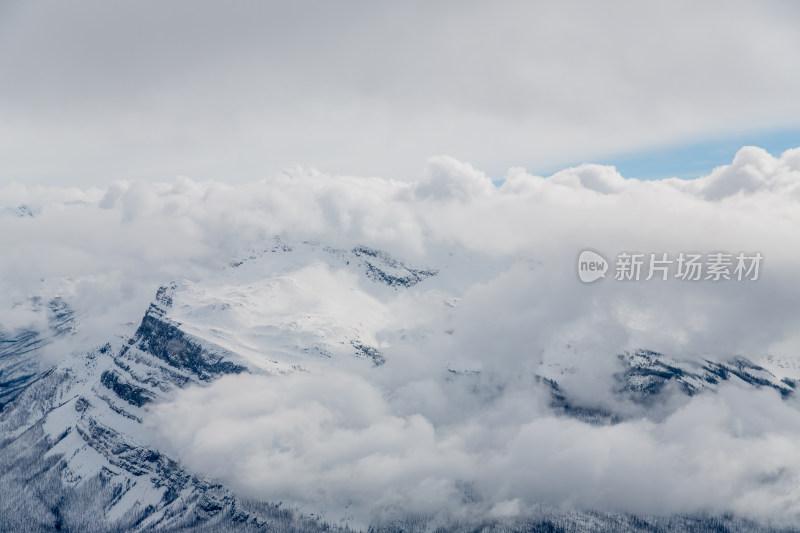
(406,436)
(321,440)
(593,177)
(445,178)
(753,170)
(333,441)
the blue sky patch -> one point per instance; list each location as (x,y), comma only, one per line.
(693,160)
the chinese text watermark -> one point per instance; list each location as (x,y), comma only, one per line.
(683,266)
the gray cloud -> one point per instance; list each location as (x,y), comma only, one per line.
(93,92)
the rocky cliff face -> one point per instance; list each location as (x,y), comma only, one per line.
(75,456)
(20,361)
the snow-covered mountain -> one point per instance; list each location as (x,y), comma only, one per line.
(21,210)
(77,452)
(77,425)
(19,361)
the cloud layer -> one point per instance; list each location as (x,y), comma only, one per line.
(94,92)
(408,435)
(334,444)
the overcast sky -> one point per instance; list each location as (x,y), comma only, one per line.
(92,92)
(410,111)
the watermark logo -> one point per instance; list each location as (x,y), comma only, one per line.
(591,266)
(684,266)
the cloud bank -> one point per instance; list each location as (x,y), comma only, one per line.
(333,442)
(456,419)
